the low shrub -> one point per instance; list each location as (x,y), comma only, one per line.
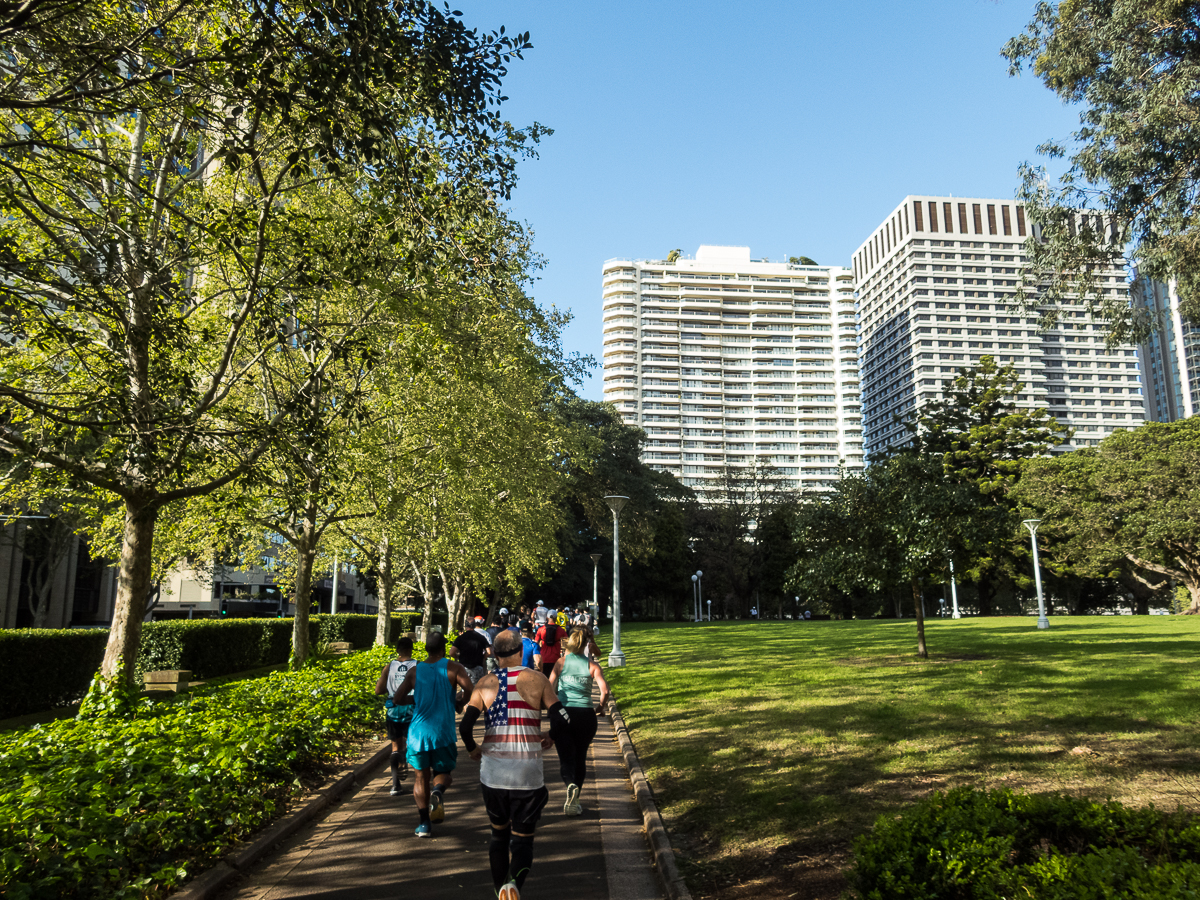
(975,845)
(45,668)
(130,805)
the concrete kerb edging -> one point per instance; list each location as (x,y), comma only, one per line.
(656,832)
(210,883)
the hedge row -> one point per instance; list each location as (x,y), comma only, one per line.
(44,668)
(976,845)
(132,801)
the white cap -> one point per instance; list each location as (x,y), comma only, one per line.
(540,603)
(503,611)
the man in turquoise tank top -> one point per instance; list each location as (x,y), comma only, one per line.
(432,742)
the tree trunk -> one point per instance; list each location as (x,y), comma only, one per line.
(986,591)
(386,581)
(306,557)
(922,651)
(1194,590)
(133,584)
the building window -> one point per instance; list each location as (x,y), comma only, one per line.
(991,219)
(1020,221)
(907,230)
(962,219)
(978,219)
(917,216)
(932,216)
(1007,221)
(948,218)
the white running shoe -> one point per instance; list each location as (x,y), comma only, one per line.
(437,812)
(572,807)
(509,892)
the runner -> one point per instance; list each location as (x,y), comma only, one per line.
(549,638)
(432,748)
(398,717)
(530,651)
(471,648)
(510,773)
(540,614)
(479,629)
(560,616)
(573,676)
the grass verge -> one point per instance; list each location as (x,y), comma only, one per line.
(771,745)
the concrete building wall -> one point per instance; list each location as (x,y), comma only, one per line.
(1170,358)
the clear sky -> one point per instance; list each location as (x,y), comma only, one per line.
(790,127)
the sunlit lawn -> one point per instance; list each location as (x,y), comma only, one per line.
(765,737)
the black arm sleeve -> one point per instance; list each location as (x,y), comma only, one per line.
(466,728)
(559,720)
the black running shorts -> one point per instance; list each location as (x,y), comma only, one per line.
(521,808)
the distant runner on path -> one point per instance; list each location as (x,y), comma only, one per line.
(432,747)
(510,772)
(572,678)
(398,717)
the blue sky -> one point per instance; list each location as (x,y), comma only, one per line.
(793,128)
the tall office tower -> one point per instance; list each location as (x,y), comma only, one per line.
(723,359)
(936,291)
(1171,357)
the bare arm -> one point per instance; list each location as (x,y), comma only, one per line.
(381,684)
(459,678)
(556,672)
(605,694)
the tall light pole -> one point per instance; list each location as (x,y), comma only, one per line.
(1032,525)
(616,503)
(695,600)
(700,587)
(953,587)
(595,592)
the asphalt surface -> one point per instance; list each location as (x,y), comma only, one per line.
(364,848)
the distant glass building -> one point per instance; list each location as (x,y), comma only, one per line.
(1170,359)
(726,361)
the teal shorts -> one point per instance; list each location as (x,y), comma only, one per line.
(440,759)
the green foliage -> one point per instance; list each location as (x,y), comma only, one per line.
(41,668)
(1132,67)
(129,804)
(972,845)
(802,261)
(44,668)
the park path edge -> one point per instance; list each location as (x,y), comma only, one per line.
(656,831)
(210,883)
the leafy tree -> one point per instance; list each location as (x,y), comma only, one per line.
(1133,499)
(802,261)
(1134,67)
(151,240)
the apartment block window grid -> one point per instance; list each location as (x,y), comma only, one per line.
(1170,357)
(942,295)
(724,360)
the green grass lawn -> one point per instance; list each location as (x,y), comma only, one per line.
(771,745)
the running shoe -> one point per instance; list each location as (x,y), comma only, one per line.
(572,807)
(509,892)
(437,812)
(396,792)
(424,830)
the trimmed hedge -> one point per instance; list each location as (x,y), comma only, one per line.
(975,845)
(44,668)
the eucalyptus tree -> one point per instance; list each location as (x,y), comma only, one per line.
(150,251)
(1133,68)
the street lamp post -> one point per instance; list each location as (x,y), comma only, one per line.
(595,592)
(700,588)
(953,589)
(1032,525)
(710,610)
(616,503)
(695,600)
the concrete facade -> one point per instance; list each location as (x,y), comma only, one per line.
(82,590)
(724,360)
(936,291)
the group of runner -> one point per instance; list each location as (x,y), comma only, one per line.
(551,669)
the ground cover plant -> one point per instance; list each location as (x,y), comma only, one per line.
(133,799)
(771,746)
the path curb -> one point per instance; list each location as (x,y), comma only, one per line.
(656,832)
(210,883)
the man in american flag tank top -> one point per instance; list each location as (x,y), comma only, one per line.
(510,771)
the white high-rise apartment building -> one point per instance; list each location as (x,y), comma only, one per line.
(936,283)
(724,360)
(1170,358)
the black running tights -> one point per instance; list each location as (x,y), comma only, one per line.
(573,746)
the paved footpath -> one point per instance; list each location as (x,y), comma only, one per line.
(364,848)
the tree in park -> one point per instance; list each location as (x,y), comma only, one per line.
(149,255)
(1134,68)
(983,438)
(1135,499)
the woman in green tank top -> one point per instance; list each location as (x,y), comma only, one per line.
(573,677)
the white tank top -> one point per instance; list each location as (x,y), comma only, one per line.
(512,739)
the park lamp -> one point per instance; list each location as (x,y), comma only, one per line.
(1032,525)
(595,592)
(616,502)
